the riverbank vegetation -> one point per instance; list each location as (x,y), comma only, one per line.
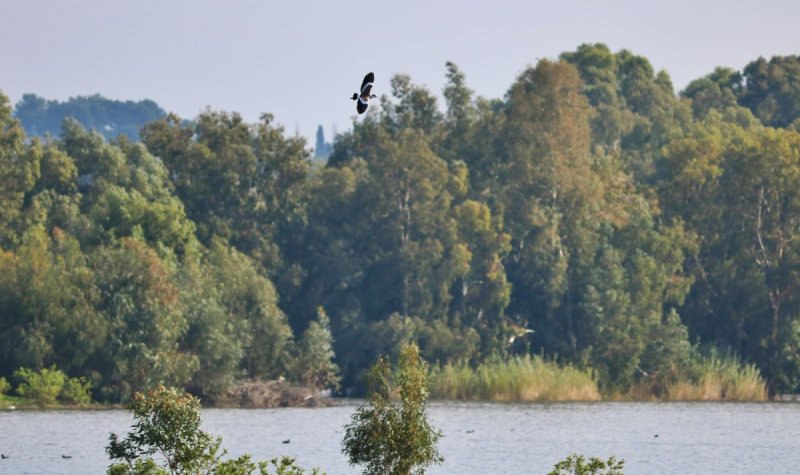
(592,217)
(523,378)
(532,378)
(48,387)
(388,434)
(710,378)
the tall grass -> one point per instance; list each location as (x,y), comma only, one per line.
(720,378)
(533,378)
(706,378)
(522,378)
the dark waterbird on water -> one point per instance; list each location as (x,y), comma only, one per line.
(4,456)
(362,99)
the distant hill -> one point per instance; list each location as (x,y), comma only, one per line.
(109,117)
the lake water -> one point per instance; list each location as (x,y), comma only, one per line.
(479,438)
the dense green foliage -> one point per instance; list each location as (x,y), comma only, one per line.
(394,437)
(167,425)
(579,465)
(314,365)
(108,117)
(42,386)
(591,215)
(47,385)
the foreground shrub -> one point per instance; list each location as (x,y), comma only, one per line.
(167,424)
(578,465)
(522,378)
(4,386)
(391,438)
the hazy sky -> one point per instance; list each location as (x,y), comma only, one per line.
(302,60)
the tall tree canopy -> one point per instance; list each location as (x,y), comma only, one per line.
(590,214)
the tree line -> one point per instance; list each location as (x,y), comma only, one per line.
(591,215)
(108,117)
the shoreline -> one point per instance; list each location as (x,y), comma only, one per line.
(337,401)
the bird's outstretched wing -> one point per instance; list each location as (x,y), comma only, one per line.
(361,105)
(366,85)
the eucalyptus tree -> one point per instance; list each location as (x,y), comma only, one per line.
(734,183)
(636,109)
(403,244)
(214,330)
(251,303)
(717,90)
(548,195)
(18,169)
(140,304)
(243,183)
(460,119)
(771,90)
(47,299)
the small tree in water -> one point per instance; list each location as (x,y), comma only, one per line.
(578,465)
(391,438)
(167,424)
(315,364)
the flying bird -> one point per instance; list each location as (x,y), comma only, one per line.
(362,99)
(517,331)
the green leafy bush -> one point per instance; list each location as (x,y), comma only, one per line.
(4,386)
(392,438)
(579,465)
(76,391)
(43,387)
(315,365)
(167,423)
